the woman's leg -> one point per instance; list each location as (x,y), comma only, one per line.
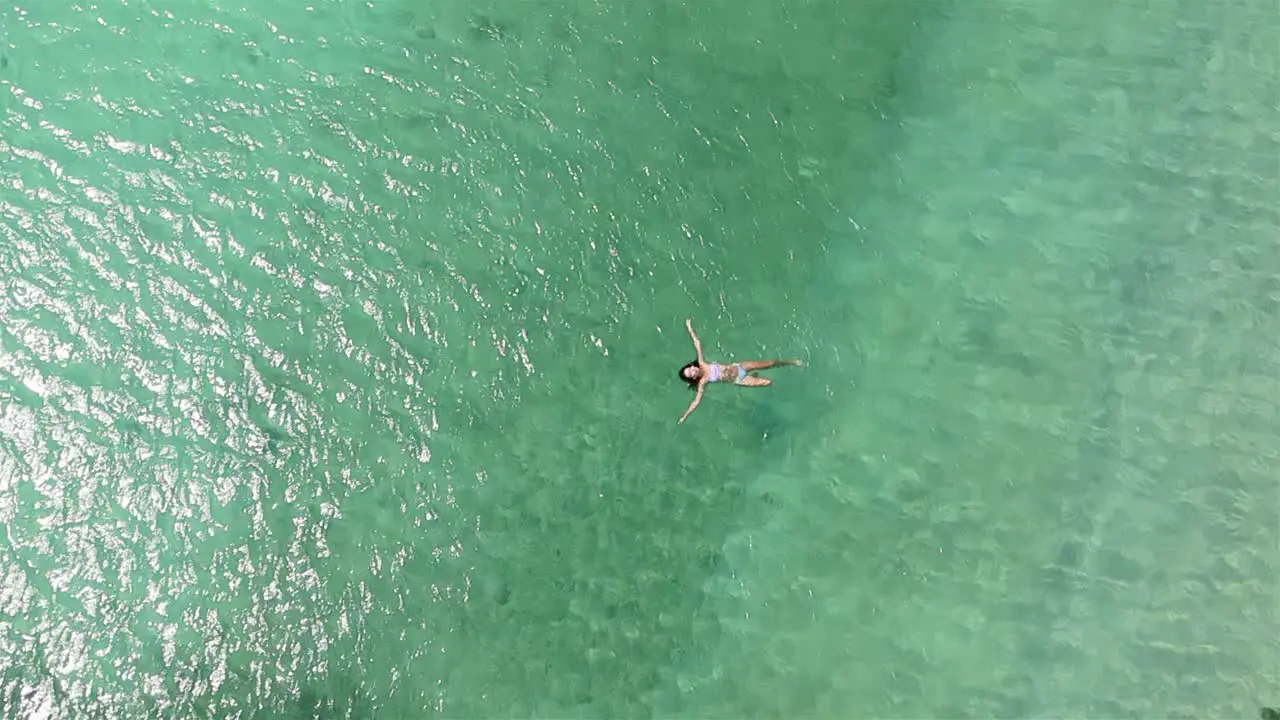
(753,365)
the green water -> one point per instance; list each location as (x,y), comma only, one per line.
(338,352)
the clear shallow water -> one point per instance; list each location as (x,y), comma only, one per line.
(336,369)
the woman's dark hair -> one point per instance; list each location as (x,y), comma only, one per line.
(692,383)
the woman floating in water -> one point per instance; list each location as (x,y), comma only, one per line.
(700,372)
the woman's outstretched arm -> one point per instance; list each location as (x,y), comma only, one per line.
(697,346)
(696,399)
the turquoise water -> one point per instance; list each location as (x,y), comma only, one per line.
(338,352)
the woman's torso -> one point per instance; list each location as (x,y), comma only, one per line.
(723,373)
